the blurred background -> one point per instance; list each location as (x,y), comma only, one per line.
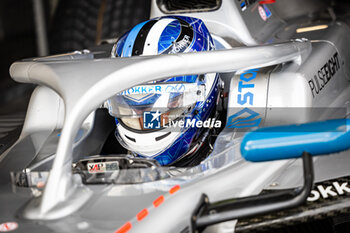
(32,28)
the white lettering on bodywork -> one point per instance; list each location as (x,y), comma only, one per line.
(333,190)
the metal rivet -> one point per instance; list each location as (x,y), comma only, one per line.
(274,184)
(212,212)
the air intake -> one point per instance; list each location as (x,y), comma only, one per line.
(187,6)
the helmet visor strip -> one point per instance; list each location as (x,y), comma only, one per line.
(170,100)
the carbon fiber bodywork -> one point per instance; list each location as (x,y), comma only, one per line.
(320,209)
(10,129)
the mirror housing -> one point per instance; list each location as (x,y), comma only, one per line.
(286,142)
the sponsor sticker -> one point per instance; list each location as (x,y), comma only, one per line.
(156,89)
(103,167)
(246,117)
(324,74)
(8,226)
(267,11)
(178,46)
(243,6)
(324,192)
(243,119)
(262,13)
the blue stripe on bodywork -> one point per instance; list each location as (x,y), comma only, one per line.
(130,40)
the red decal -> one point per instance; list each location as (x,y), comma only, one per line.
(142,214)
(125,228)
(158,201)
(8,226)
(267,1)
(174,189)
(95,167)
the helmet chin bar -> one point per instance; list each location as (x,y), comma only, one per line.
(145,142)
(100,79)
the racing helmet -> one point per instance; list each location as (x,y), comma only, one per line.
(144,113)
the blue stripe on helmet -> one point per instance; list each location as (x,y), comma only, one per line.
(130,40)
(168,36)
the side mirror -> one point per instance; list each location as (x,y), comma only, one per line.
(285,142)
